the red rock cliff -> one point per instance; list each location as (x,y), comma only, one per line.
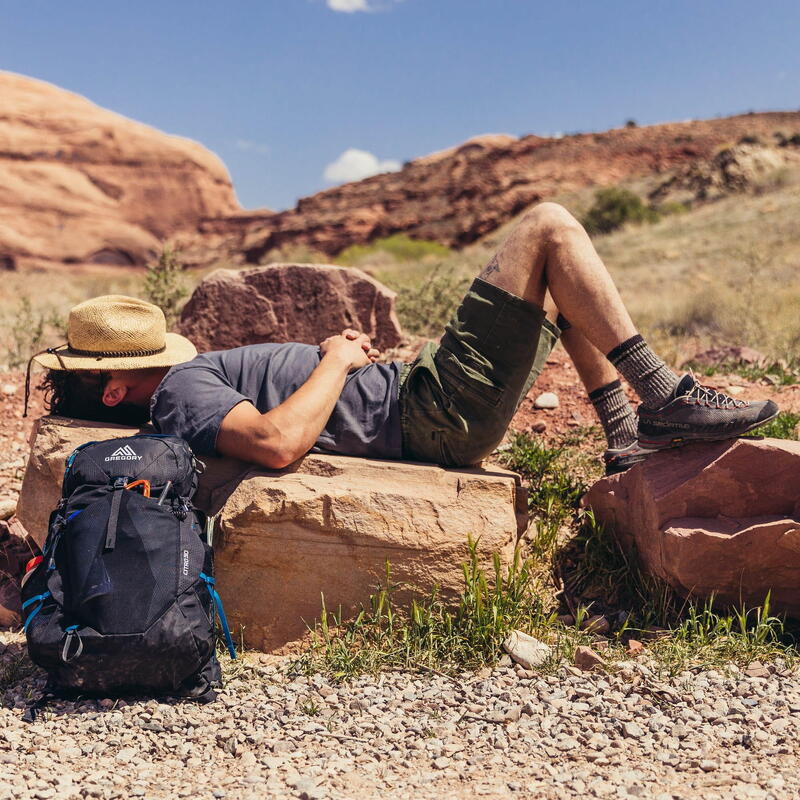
(82,184)
(459,195)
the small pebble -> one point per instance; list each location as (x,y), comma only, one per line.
(546,400)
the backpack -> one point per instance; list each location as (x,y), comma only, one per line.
(123,600)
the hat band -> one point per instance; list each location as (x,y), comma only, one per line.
(113,353)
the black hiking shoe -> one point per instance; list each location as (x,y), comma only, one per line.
(696,413)
(618,460)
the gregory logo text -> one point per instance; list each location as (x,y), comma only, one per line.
(125,453)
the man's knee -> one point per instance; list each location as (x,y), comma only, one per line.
(550,221)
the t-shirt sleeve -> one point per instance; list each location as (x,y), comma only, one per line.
(191,403)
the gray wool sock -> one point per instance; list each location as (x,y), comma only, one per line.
(650,377)
(616,415)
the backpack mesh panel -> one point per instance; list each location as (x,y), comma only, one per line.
(141,570)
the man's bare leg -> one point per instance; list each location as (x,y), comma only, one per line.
(594,369)
(550,250)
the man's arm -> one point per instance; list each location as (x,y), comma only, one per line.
(288,431)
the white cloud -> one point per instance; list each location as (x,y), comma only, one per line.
(249,146)
(353,165)
(348,6)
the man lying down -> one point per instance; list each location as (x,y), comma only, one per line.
(272,403)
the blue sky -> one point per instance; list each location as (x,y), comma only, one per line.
(280,89)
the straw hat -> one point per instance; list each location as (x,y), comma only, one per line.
(117,332)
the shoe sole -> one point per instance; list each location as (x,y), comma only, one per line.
(624,464)
(689,438)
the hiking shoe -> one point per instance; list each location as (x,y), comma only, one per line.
(696,413)
(619,459)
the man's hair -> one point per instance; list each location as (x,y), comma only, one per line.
(80,394)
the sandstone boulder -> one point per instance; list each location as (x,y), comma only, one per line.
(323,527)
(288,303)
(720,518)
(79,183)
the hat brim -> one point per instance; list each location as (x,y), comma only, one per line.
(178,349)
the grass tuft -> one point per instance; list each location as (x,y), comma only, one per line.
(432,634)
(399,246)
(568,563)
(785,426)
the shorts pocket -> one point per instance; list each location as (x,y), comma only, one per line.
(464,385)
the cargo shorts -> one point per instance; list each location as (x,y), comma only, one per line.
(457,398)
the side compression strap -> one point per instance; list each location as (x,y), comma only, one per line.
(223,620)
(40,599)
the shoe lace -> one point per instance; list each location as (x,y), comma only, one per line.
(711,397)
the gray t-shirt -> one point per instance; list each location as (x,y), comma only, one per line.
(195,397)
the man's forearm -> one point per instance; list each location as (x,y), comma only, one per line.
(303,415)
(288,431)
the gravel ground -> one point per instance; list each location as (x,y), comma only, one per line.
(488,734)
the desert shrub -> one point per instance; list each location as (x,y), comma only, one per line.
(774,180)
(164,284)
(790,140)
(613,207)
(24,330)
(400,246)
(426,307)
(672,207)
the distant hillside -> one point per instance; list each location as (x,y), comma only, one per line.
(457,196)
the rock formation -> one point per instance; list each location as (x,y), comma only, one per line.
(459,195)
(288,303)
(744,167)
(82,184)
(79,183)
(720,518)
(323,527)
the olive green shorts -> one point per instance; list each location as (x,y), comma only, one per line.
(458,397)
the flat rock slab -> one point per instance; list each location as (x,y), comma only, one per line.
(324,527)
(720,518)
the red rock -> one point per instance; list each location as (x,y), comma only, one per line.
(728,356)
(634,648)
(756,670)
(597,624)
(720,518)
(587,660)
(15,550)
(288,303)
(82,184)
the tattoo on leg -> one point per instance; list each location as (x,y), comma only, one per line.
(492,266)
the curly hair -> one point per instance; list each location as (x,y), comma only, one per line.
(80,395)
